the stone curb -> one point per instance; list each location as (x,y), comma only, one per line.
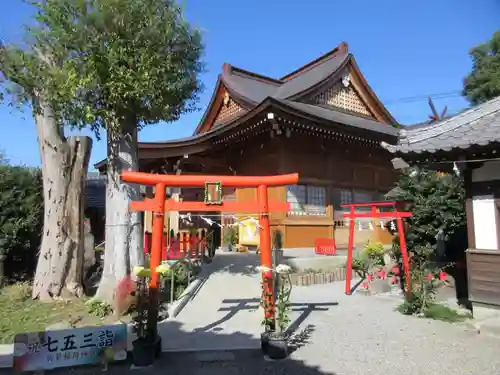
(315,278)
(6,355)
(176,307)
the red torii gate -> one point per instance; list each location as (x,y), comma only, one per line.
(352,215)
(159,205)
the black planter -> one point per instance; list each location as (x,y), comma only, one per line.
(264,340)
(157,345)
(277,347)
(145,350)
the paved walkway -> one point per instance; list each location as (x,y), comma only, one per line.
(359,335)
(227,304)
(334,334)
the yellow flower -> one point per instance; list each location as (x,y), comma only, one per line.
(141,271)
(163,268)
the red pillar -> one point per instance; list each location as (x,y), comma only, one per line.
(266,257)
(404,252)
(348,270)
(156,250)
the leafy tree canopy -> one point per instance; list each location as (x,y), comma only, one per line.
(119,60)
(437,202)
(483,83)
(21,218)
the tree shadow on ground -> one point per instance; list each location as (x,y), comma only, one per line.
(233,263)
(218,362)
(233,360)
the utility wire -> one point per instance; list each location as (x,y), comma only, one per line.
(411,99)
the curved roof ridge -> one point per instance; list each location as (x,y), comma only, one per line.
(342,48)
(230,69)
(450,124)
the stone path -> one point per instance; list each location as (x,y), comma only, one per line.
(226,304)
(334,334)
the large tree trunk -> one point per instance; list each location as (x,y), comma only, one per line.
(123,249)
(64,169)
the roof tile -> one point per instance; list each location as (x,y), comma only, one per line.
(479,125)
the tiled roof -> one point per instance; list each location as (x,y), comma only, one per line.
(340,117)
(95,191)
(479,126)
(256,90)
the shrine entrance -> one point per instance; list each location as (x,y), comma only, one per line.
(372,211)
(213,202)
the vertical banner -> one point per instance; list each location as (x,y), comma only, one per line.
(48,350)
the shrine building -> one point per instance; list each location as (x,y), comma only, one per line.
(322,121)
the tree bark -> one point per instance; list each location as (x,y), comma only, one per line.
(64,169)
(123,249)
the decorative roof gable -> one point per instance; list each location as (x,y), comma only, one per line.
(319,82)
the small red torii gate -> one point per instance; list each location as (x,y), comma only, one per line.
(159,205)
(374,213)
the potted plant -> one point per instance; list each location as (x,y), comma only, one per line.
(266,303)
(277,345)
(147,345)
(231,237)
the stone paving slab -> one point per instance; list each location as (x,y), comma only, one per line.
(345,335)
(226,304)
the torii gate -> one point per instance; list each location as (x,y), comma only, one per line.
(213,202)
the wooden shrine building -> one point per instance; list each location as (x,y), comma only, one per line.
(468,144)
(322,120)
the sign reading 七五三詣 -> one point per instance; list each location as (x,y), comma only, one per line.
(69,347)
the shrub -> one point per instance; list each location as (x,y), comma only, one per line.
(21,220)
(437,203)
(371,256)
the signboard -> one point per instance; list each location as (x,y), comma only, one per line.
(69,347)
(249,232)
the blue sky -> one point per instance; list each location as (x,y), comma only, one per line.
(404,49)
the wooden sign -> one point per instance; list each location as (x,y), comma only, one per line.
(213,193)
(39,351)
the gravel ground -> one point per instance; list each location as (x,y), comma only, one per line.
(359,335)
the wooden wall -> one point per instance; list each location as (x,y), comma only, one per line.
(483,269)
(318,163)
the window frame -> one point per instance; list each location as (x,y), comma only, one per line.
(306,211)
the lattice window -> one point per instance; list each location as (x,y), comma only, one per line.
(306,200)
(341,196)
(316,200)
(229,110)
(296,195)
(343,97)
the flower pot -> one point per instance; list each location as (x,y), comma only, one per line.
(277,347)
(264,340)
(157,345)
(145,350)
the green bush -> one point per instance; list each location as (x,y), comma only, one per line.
(370,257)
(437,203)
(21,220)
